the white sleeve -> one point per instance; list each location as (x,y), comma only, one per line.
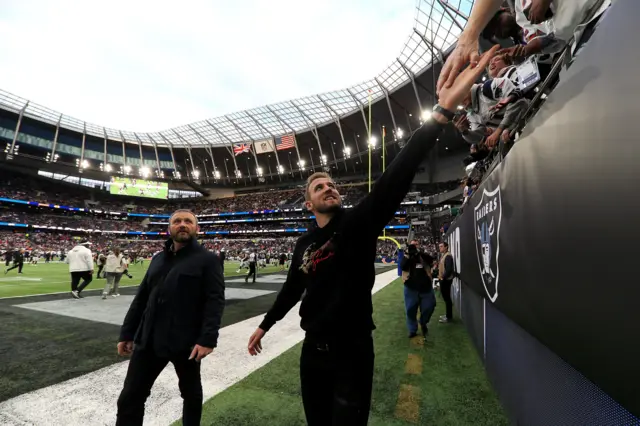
(88,260)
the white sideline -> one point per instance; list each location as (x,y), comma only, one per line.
(91,399)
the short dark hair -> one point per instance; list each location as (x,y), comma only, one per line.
(444,243)
(183,211)
(310,179)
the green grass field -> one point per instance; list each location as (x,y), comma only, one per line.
(437,382)
(142,188)
(45,278)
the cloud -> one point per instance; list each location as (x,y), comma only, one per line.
(151,65)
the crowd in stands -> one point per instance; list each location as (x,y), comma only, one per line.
(270,200)
(34,239)
(496,110)
(59,243)
(58,193)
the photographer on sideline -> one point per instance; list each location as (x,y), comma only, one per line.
(418,288)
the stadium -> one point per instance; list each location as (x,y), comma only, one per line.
(516,192)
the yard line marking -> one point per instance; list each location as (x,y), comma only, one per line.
(63,292)
(408,404)
(413,364)
(14,284)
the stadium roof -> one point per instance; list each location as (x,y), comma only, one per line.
(437,26)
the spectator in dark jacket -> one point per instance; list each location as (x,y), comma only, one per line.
(18,261)
(445,274)
(175,317)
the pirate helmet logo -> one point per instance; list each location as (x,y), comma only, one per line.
(487,218)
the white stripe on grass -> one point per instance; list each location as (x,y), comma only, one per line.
(91,399)
(59,292)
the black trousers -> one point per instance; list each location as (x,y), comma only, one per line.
(100,268)
(144,368)
(86,278)
(252,271)
(336,378)
(17,265)
(445,289)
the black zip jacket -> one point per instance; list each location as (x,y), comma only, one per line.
(335,264)
(18,257)
(179,303)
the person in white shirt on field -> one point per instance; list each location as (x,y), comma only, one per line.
(113,269)
(80,262)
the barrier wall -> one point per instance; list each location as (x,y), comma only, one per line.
(546,248)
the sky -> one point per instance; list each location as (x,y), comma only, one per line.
(151,65)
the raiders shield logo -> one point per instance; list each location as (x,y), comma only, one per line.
(486,218)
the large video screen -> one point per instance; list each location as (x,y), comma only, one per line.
(139,188)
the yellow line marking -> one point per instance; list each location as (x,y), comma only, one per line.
(407,408)
(413,364)
(417,342)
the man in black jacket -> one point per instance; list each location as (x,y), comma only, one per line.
(446,275)
(333,265)
(175,317)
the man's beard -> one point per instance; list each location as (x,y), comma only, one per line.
(333,208)
(179,236)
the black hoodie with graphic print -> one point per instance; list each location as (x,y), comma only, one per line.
(335,263)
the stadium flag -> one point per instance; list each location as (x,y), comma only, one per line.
(286,142)
(263,146)
(239,148)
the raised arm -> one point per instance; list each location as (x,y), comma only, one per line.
(377,208)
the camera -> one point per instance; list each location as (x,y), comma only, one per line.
(412,250)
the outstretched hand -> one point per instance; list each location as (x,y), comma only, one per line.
(452,96)
(466,52)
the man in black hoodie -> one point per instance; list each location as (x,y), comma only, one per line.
(333,265)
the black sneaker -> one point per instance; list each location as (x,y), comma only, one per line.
(425,331)
(412,335)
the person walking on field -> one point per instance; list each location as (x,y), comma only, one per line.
(18,261)
(175,317)
(113,269)
(333,265)
(80,263)
(252,267)
(102,260)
